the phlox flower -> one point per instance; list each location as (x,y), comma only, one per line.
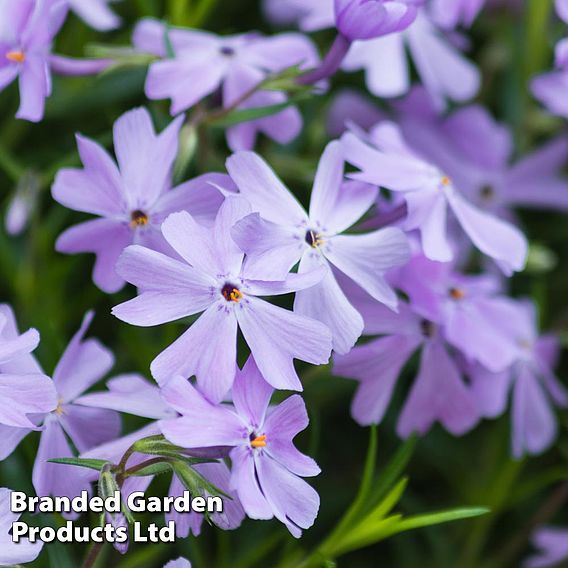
(179,563)
(449,14)
(130,200)
(12,554)
(385,159)
(439,392)
(213,279)
(476,152)
(530,378)
(551,88)
(552,545)
(311,15)
(24,390)
(266,466)
(366,19)
(83,363)
(27,31)
(204,62)
(280,234)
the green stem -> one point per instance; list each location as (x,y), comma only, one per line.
(14,170)
(93,554)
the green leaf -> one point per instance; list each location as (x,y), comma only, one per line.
(389,502)
(156,445)
(440,517)
(150,469)
(368,534)
(170,53)
(80,462)
(194,482)
(248,114)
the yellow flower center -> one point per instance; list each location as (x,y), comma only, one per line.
(456,294)
(59,410)
(138,219)
(445,181)
(314,239)
(16,56)
(231,293)
(258,442)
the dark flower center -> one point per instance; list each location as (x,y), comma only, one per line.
(257,441)
(313,239)
(456,293)
(231,293)
(427,328)
(138,218)
(487,193)
(228,51)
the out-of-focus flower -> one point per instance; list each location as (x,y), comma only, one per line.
(266,464)
(280,234)
(449,14)
(27,30)
(438,393)
(475,151)
(24,390)
(386,160)
(12,553)
(203,62)
(349,106)
(531,379)
(96,13)
(311,15)
(132,199)
(22,204)
(443,70)
(562,9)
(366,19)
(552,543)
(214,280)
(179,563)
(551,88)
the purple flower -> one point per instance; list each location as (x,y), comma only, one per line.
(367,19)
(562,9)
(438,393)
(214,280)
(24,390)
(348,107)
(266,466)
(531,379)
(280,234)
(550,89)
(27,30)
(83,363)
(131,200)
(449,14)
(475,151)
(10,552)
(312,15)
(179,563)
(96,13)
(552,543)
(443,70)
(204,63)
(386,160)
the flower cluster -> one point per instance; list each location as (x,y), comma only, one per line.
(406,247)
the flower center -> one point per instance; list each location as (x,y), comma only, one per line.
(257,441)
(16,56)
(59,409)
(427,328)
(314,239)
(445,181)
(487,193)
(138,219)
(456,293)
(227,51)
(231,293)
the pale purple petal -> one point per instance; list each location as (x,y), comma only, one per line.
(277,336)
(10,439)
(34,88)
(251,393)
(96,13)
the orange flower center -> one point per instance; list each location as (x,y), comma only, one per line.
(231,293)
(258,442)
(16,56)
(456,294)
(138,219)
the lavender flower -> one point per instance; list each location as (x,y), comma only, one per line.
(552,543)
(179,563)
(131,200)
(10,552)
(281,234)
(27,30)
(366,19)
(311,15)
(96,13)
(24,390)
(443,70)
(532,381)
(266,464)
(204,63)
(449,14)
(386,160)
(550,89)
(475,151)
(214,280)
